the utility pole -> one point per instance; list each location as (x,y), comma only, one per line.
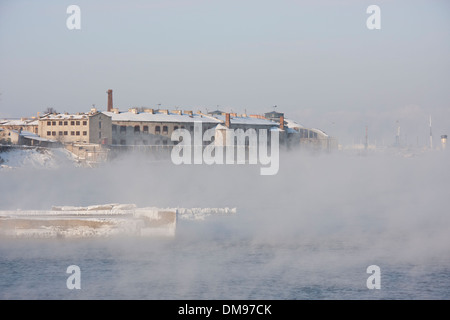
(431,136)
(366,144)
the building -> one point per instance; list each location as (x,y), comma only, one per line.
(153,127)
(93,127)
(23,124)
(274,116)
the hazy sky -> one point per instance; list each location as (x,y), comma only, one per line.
(316,60)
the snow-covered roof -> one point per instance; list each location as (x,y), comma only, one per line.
(247,121)
(159,117)
(19,122)
(293,124)
(62,116)
(319,131)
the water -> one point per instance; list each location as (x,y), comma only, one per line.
(310,232)
(223,264)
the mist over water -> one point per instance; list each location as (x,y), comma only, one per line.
(308,232)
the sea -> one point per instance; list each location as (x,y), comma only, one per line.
(325,227)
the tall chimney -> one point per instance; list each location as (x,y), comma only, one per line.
(227,120)
(281,123)
(110,103)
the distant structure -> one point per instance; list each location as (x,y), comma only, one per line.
(366,143)
(151,129)
(92,127)
(110,101)
(274,116)
(431,136)
(443,141)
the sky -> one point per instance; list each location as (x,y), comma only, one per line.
(315,60)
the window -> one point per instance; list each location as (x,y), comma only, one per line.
(175,128)
(100,135)
(65,133)
(49,123)
(84,133)
(165,129)
(182,127)
(78,133)
(114,128)
(123,129)
(145,129)
(72,133)
(123,142)
(53,123)
(78,123)
(60,133)
(145,142)
(137,129)
(114,141)
(65,123)
(53,133)
(60,123)
(157,129)
(72,123)
(99,124)
(49,133)
(84,123)
(165,142)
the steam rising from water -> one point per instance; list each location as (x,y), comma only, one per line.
(308,232)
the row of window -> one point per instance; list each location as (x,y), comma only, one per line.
(66,123)
(66,133)
(144,142)
(137,129)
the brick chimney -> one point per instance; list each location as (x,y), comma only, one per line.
(281,123)
(110,103)
(227,120)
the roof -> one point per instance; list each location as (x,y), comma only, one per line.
(215,112)
(62,116)
(319,131)
(159,117)
(247,121)
(19,122)
(292,124)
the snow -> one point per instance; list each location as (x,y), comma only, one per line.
(102,220)
(246,120)
(158,117)
(35,158)
(293,124)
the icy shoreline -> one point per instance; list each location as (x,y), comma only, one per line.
(100,220)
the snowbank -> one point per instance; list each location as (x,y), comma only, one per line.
(35,158)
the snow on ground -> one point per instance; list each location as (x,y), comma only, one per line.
(35,158)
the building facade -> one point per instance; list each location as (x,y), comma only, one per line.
(93,127)
(153,127)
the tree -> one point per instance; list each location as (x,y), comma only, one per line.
(50,110)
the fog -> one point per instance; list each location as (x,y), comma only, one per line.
(308,232)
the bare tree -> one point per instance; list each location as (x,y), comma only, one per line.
(50,110)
